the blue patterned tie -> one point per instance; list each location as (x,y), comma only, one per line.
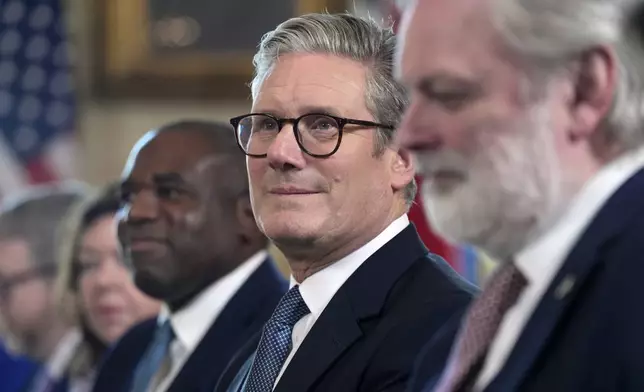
(275,344)
(153,358)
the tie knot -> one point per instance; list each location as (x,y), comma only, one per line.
(291,308)
(508,282)
(164,333)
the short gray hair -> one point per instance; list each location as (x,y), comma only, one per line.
(35,215)
(347,36)
(548,33)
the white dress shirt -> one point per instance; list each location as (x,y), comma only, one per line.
(318,289)
(191,323)
(58,362)
(541,260)
(56,366)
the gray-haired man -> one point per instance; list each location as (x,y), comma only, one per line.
(332,192)
(527,117)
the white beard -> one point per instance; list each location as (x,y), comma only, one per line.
(511,188)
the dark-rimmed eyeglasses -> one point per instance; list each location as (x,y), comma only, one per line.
(318,135)
(9,283)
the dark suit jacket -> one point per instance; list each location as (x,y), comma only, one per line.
(369,334)
(15,371)
(587,333)
(242,317)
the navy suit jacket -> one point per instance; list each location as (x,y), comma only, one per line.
(587,333)
(15,371)
(243,316)
(368,336)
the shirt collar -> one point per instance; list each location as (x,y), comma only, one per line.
(57,363)
(191,323)
(542,258)
(318,289)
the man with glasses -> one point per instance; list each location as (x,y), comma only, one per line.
(332,192)
(28,266)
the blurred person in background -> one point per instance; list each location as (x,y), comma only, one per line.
(28,267)
(94,278)
(527,120)
(332,191)
(188,230)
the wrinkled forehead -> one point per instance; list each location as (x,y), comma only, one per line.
(300,83)
(438,35)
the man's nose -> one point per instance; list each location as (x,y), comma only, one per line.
(143,206)
(285,152)
(416,132)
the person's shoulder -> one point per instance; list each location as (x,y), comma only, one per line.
(135,338)
(445,280)
(15,370)
(269,276)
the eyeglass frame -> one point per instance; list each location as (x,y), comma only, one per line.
(7,285)
(342,121)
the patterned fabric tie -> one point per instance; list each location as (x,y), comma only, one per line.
(153,358)
(480,326)
(275,343)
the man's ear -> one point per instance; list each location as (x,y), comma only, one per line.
(402,169)
(594,87)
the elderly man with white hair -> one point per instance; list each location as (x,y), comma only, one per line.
(527,121)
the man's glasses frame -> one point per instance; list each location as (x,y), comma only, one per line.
(341,121)
(8,284)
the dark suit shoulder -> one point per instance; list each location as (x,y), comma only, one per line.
(425,305)
(118,363)
(620,291)
(142,331)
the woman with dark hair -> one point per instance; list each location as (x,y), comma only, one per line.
(94,279)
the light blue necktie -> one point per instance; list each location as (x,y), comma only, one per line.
(275,343)
(155,354)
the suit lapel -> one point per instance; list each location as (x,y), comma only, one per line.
(614,217)
(363,295)
(210,357)
(129,353)
(331,335)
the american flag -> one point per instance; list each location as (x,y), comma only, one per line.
(36,95)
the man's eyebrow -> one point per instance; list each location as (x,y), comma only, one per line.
(330,110)
(307,109)
(168,178)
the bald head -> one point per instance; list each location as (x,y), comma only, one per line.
(219,137)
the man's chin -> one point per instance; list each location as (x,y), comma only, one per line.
(153,286)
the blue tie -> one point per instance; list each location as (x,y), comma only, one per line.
(153,358)
(275,344)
